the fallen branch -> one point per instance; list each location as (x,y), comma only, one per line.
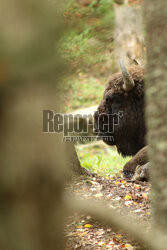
(136,231)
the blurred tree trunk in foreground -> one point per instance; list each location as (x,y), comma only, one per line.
(33,164)
(155,13)
(33,170)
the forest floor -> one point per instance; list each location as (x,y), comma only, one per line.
(83,232)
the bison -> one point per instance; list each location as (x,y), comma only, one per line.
(125,93)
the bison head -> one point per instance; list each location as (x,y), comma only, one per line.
(123,95)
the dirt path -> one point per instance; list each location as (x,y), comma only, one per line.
(83,232)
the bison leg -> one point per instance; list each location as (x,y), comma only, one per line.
(142,173)
(139,159)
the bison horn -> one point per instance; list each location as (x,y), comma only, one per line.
(136,62)
(127,78)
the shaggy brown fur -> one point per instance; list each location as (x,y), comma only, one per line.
(142,173)
(129,135)
(139,159)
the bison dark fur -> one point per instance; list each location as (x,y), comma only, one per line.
(129,135)
(142,173)
(139,159)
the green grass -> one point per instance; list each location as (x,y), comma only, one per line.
(101,159)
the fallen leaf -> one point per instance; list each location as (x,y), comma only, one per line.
(101,243)
(123,182)
(145,196)
(128,203)
(116,240)
(136,186)
(137,211)
(128,197)
(138,197)
(118,235)
(111,243)
(100,232)
(129,247)
(88,225)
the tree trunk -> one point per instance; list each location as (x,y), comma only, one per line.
(87,118)
(129,40)
(33,171)
(33,164)
(74,163)
(155,13)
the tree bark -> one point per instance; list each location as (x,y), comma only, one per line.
(74,163)
(129,40)
(33,164)
(155,13)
